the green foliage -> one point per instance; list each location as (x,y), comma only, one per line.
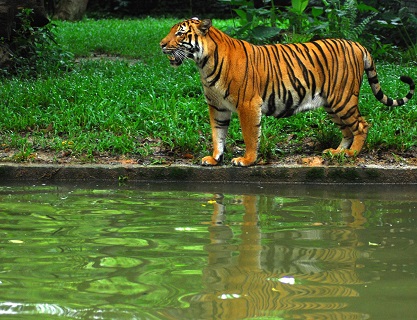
(398,29)
(303,21)
(333,19)
(34,51)
(257,25)
(297,15)
(340,20)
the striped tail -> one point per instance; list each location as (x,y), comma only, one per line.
(377,91)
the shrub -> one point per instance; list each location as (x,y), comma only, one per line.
(33,50)
(303,21)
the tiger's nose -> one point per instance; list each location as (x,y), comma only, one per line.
(162,44)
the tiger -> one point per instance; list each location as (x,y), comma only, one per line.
(276,80)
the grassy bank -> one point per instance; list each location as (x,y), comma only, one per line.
(122,98)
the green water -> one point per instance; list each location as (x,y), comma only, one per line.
(210,252)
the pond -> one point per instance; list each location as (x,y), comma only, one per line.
(208,252)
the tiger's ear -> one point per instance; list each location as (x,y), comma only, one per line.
(204,25)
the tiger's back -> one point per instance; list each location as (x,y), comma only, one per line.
(276,80)
(299,79)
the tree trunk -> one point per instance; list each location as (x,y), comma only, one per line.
(71,9)
(7,11)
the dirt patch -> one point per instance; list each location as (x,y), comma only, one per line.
(167,157)
(104,56)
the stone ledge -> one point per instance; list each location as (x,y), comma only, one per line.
(222,174)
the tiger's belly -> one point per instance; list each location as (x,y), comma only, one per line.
(273,106)
(276,107)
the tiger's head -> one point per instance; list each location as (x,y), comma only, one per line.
(183,41)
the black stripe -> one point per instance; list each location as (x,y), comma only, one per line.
(204,62)
(349,113)
(271,104)
(222,123)
(289,102)
(407,80)
(373,80)
(215,62)
(338,110)
(218,75)
(313,84)
(219,109)
(227,92)
(379,95)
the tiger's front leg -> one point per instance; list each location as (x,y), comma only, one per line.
(219,122)
(250,123)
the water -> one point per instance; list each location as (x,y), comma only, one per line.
(210,252)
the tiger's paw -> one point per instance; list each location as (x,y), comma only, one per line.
(209,161)
(332,151)
(242,162)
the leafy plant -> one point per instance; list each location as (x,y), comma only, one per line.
(34,50)
(336,19)
(300,21)
(399,30)
(258,25)
(339,19)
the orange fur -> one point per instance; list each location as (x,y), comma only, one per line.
(277,80)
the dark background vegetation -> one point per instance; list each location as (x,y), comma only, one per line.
(185,8)
(211,8)
(396,17)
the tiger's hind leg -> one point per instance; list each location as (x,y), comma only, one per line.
(360,133)
(354,129)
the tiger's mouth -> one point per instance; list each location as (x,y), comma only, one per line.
(174,60)
(175,57)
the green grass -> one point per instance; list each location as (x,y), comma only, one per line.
(136,105)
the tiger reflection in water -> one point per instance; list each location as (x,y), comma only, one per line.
(252,284)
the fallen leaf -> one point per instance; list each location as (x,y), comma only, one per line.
(128,161)
(312,161)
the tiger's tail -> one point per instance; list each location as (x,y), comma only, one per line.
(376,87)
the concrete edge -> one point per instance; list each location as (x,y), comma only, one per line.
(222,174)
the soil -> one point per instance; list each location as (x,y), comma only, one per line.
(168,157)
